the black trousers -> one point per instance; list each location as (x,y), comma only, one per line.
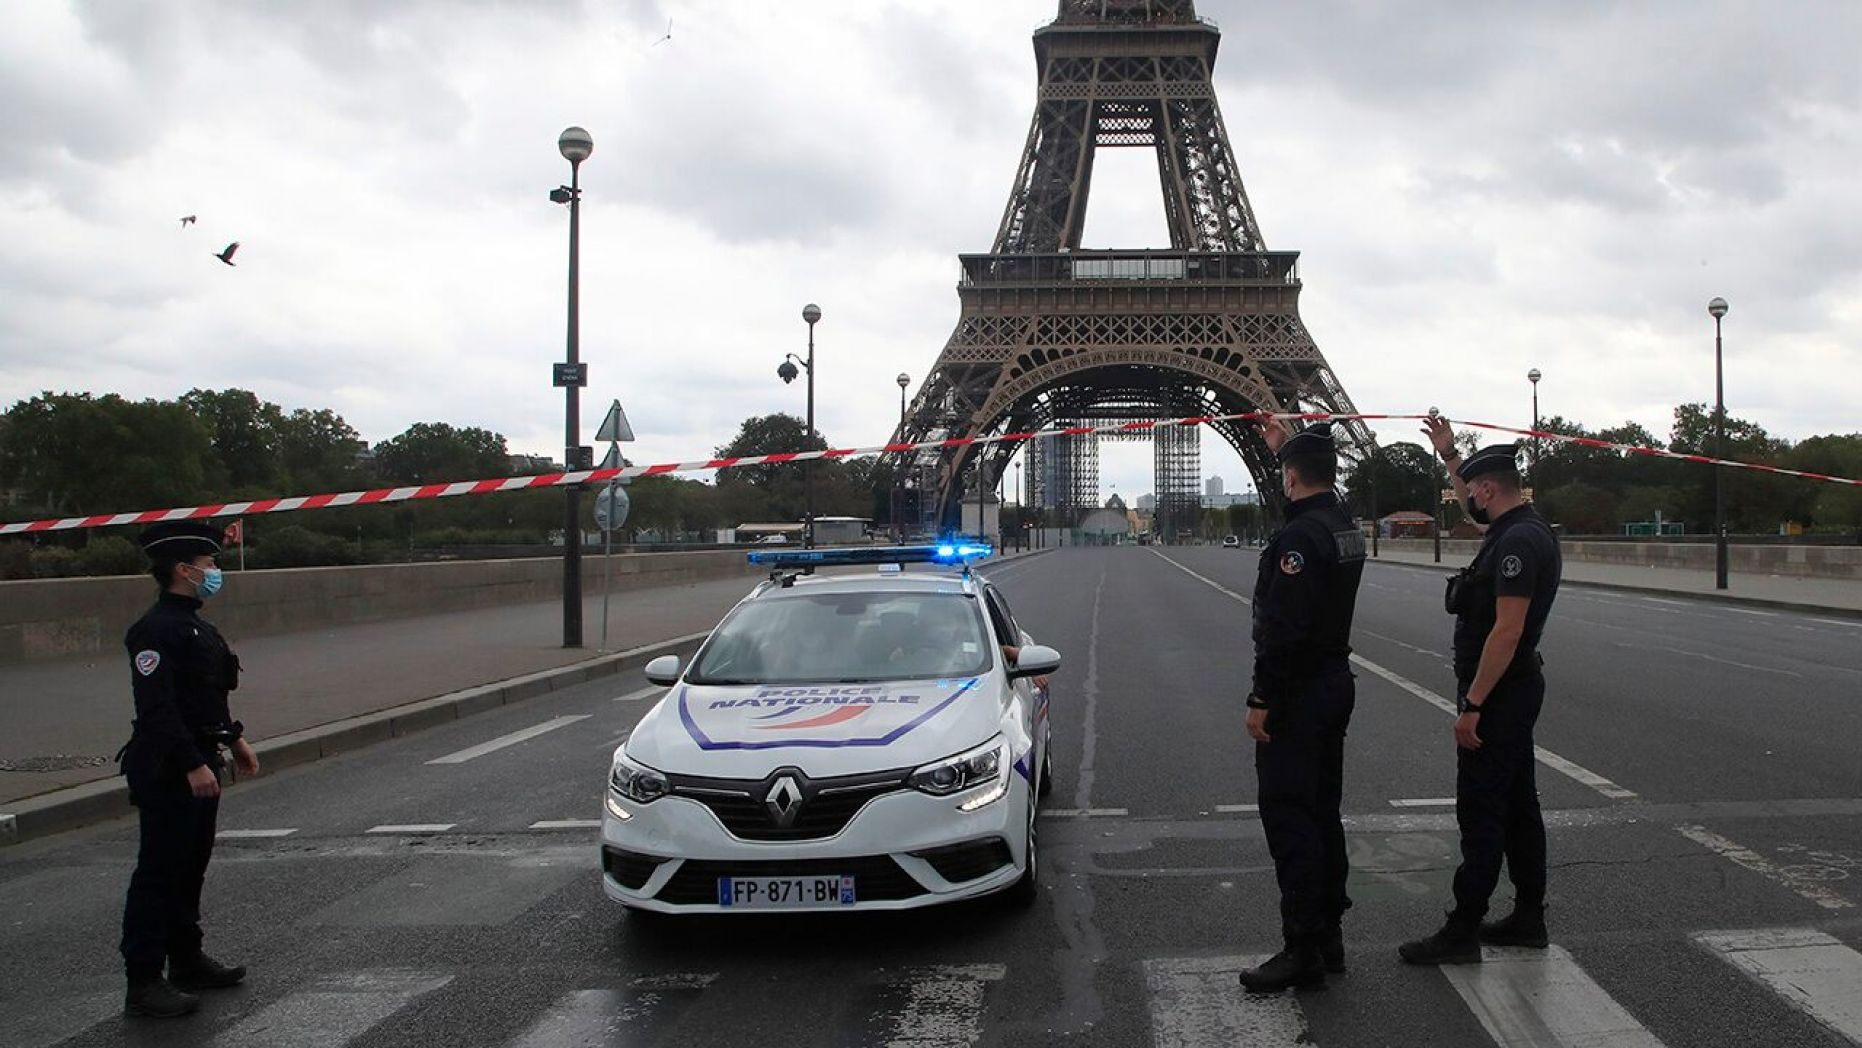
(1301,775)
(1497,801)
(161,917)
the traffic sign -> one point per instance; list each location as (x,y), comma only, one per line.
(611,507)
(615,426)
(569,374)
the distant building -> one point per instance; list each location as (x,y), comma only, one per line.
(1246,498)
(530,465)
(1212,487)
(1147,503)
(1116,503)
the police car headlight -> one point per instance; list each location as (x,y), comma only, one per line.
(635,781)
(987,765)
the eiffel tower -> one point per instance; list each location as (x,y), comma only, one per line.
(1051,335)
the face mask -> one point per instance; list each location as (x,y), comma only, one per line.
(1475,513)
(210,582)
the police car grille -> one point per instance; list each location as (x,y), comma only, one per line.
(742,809)
(876,878)
(629,869)
(958,863)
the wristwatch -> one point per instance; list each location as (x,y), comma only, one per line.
(1468,707)
(1255,702)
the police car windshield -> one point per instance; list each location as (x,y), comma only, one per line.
(812,638)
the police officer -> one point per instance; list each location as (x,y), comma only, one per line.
(1500,604)
(1304,592)
(181,671)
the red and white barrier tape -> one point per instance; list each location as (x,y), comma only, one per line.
(602,476)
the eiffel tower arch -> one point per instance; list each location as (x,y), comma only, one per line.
(1052,335)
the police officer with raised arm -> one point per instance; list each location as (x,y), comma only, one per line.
(1304,592)
(181,670)
(1500,604)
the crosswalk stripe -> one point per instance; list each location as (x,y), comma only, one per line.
(566,824)
(413,827)
(1196,1002)
(336,1009)
(943,1006)
(636,696)
(512,739)
(1236,809)
(1084,813)
(47,1021)
(618,1018)
(1423,802)
(237,835)
(1528,998)
(1815,972)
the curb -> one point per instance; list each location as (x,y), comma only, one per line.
(1624,587)
(105,799)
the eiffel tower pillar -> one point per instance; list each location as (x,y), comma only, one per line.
(1049,333)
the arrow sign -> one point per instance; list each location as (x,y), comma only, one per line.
(615,426)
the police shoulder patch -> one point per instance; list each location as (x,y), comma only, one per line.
(1292,563)
(1512,566)
(146,661)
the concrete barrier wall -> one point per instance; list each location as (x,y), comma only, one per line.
(1820,562)
(51,618)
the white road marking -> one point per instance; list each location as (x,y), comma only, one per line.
(613,744)
(1399,643)
(943,1006)
(1546,757)
(1237,809)
(1197,1003)
(1204,579)
(1852,623)
(1714,658)
(413,827)
(334,1010)
(1423,802)
(1749,611)
(1670,603)
(1791,877)
(508,740)
(240,835)
(1089,719)
(43,1020)
(636,696)
(1529,998)
(1815,972)
(566,824)
(1084,813)
(590,1017)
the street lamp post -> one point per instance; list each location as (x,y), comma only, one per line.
(786,371)
(905,458)
(1021,508)
(1533,376)
(1717,309)
(575,145)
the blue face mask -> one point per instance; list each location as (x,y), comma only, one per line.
(210,582)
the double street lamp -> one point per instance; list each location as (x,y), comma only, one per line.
(575,145)
(1533,377)
(905,458)
(786,371)
(1717,309)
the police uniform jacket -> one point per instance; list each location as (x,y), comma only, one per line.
(182,671)
(1304,594)
(1519,558)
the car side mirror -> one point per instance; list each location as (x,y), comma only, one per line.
(1036,660)
(664,670)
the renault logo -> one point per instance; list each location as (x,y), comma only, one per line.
(784,802)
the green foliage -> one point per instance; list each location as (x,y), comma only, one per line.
(110,555)
(15,559)
(774,493)
(1402,476)
(54,562)
(293,546)
(436,453)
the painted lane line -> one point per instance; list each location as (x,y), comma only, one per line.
(1546,757)
(1852,624)
(1749,611)
(1541,999)
(615,743)
(636,696)
(1084,813)
(1399,643)
(1205,580)
(1424,802)
(566,824)
(334,1010)
(1796,880)
(1670,603)
(508,740)
(413,827)
(943,1006)
(1195,1003)
(1237,809)
(1089,712)
(1814,972)
(245,835)
(1714,658)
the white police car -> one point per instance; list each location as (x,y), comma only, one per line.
(839,742)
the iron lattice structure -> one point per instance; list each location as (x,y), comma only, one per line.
(1050,334)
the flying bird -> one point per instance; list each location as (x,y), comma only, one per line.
(187,220)
(665,38)
(227,255)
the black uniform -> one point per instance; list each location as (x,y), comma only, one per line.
(181,670)
(1304,594)
(1496,793)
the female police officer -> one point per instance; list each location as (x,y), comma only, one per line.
(181,671)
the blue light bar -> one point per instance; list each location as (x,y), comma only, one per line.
(946,553)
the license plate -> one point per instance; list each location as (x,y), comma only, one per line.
(775,893)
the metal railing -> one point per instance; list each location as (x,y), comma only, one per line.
(1266,267)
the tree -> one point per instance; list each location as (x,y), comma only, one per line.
(1406,476)
(318,451)
(245,438)
(434,453)
(775,492)
(1755,502)
(72,453)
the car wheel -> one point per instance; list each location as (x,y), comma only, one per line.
(1024,891)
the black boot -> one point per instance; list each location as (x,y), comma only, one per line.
(204,973)
(1525,926)
(1299,964)
(1458,942)
(1332,949)
(156,998)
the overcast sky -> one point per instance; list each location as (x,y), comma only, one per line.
(1476,189)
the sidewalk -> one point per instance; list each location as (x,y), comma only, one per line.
(1786,591)
(69,716)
